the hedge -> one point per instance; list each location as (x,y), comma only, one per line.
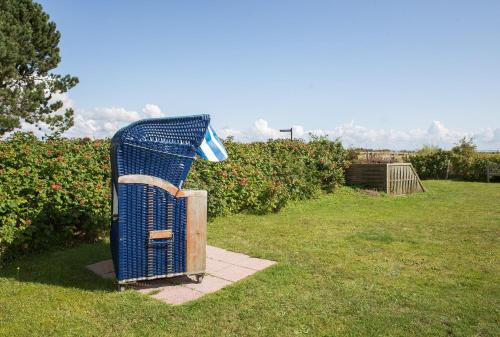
(461,162)
(56,192)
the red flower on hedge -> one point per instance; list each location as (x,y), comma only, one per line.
(55,187)
(244,181)
(58,158)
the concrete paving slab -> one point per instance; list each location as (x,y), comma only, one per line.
(215,265)
(213,251)
(110,275)
(255,263)
(230,257)
(103,267)
(234,273)
(178,295)
(223,268)
(210,284)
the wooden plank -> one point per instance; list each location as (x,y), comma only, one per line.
(412,180)
(400,179)
(160,234)
(196,231)
(403,182)
(396,179)
(387,179)
(393,179)
(421,186)
(194,193)
(149,180)
(407,180)
(155,181)
(409,176)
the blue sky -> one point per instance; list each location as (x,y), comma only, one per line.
(391,74)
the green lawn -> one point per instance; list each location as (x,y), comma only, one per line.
(349,264)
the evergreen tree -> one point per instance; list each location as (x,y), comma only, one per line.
(28,52)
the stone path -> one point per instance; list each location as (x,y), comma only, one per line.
(223,268)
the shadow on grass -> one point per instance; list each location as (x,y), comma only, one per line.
(65,268)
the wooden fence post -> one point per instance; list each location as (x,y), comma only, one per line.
(447,170)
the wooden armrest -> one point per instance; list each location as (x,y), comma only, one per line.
(150,180)
(161,183)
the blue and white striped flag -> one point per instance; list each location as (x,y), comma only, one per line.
(212,148)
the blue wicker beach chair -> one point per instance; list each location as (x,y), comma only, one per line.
(158,229)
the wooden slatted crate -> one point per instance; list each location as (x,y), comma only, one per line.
(393,178)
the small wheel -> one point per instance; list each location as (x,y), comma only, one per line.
(121,288)
(199,278)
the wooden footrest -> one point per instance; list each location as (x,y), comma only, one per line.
(161,234)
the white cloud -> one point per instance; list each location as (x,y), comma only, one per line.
(262,130)
(228,132)
(110,114)
(67,102)
(98,122)
(105,121)
(42,129)
(355,135)
(152,111)
(298,131)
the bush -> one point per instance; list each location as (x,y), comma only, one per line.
(430,163)
(56,192)
(51,191)
(465,163)
(473,167)
(263,177)
(468,164)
